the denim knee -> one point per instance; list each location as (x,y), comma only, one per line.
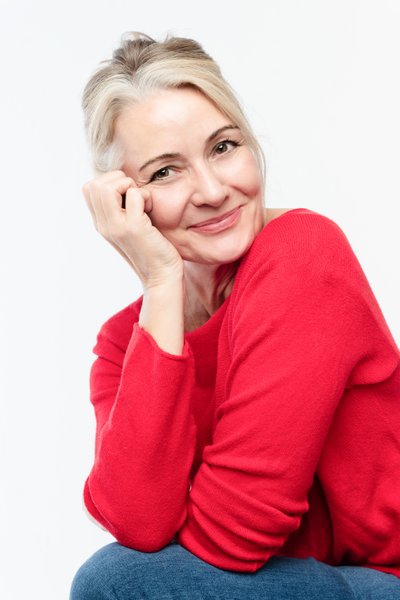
(93,580)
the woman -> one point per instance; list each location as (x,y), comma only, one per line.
(247,404)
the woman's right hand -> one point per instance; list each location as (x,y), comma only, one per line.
(129,230)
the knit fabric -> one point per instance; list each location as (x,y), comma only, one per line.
(275,432)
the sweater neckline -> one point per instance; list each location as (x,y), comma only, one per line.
(216,318)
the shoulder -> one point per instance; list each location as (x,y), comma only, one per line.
(303,227)
(298,235)
(297,250)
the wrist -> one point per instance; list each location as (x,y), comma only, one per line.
(168,281)
(162,314)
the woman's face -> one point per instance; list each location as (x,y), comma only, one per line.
(208,172)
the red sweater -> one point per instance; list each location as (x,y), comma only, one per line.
(275,432)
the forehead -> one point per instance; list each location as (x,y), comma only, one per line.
(168,112)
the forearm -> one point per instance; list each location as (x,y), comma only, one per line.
(145,440)
(162,315)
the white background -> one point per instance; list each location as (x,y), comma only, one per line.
(319,80)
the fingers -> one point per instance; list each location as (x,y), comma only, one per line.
(137,201)
(129,229)
(90,194)
(114,218)
(103,196)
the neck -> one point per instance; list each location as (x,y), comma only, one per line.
(207,286)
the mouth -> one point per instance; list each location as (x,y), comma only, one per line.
(219,223)
(216,219)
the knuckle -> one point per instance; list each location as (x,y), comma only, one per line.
(85,188)
(108,186)
(96,185)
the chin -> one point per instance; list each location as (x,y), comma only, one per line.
(227,253)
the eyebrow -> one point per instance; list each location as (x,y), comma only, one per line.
(174,155)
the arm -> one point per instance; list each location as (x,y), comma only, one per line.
(146,434)
(304,326)
(162,315)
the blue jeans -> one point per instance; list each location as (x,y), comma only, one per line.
(116,572)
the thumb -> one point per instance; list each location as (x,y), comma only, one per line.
(148,201)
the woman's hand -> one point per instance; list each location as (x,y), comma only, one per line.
(130,229)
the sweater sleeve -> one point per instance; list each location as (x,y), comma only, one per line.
(304,326)
(145,439)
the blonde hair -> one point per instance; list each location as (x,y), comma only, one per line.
(141,66)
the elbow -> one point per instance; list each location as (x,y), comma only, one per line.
(143,533)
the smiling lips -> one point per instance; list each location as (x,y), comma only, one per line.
(220,223)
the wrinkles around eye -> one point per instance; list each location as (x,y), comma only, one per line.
(155,175)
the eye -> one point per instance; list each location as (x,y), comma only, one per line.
(159,174)
(224,143)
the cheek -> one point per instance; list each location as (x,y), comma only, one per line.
(244,174)
(169,203)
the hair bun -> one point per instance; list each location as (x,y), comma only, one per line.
(132,36)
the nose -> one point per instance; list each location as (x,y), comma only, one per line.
(208,186)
